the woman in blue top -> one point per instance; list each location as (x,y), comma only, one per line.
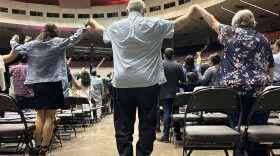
(46,71)
(246,64)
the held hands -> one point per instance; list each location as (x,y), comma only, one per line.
(27,39)
(16,38)
(87,22)
(192,9)
(90,22)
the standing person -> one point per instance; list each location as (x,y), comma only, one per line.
(210,76)
(5,61)
(276,57)
(98,92)
(174,73)
(18,72)
(46,70)
(85,89)
(246,65)
(138,72)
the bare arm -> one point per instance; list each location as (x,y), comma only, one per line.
(99,28)
(11,56)
(69,60)
(183,20)
(209,18)
(75,85)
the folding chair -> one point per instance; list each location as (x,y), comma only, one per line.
(84,113)
(18,131)
(211,137)
(66,116)
(267,135)
(181,100)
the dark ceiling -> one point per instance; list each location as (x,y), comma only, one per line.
(93,2)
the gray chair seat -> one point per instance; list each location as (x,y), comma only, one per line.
(31,120)
(190,117)
(78,111)
(274,121)
(64,115)
(273,115)
(262,133)
(211,134)
(215,117)
(30,113)
(66,111)
(30,116)
(7,130)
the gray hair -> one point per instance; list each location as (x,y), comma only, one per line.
(136,5)
(244,18)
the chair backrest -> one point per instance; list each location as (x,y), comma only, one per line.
(267,101)
(70,102)
(27,102)
(82,100)
(7,103)
(214,99)
(182,98)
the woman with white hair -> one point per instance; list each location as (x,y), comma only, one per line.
(246,64)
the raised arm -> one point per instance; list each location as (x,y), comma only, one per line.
(99,28)
(209,18)
(13,54)
(183,20)
(75,38)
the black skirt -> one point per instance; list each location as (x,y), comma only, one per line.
(48,95)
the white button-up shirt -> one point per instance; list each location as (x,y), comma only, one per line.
(136,43)
(276,74)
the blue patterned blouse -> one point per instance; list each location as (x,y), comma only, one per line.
(246,60)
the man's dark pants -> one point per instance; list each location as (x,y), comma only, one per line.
(126,101)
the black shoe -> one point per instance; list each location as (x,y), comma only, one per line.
(165,140)
(158,130)
(179,138)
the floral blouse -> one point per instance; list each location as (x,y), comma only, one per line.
(246,60)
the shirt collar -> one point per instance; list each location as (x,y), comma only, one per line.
(135,13)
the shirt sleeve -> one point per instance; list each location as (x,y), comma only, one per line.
(73,39)
(20,48)
(11,70)
(168,28)
(206,77)
(106,35)
(225,33)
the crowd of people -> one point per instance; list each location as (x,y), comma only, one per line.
(142,80)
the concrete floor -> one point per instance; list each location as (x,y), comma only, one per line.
(99,140)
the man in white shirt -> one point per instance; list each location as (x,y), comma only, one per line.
(138,72)
(276,57)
